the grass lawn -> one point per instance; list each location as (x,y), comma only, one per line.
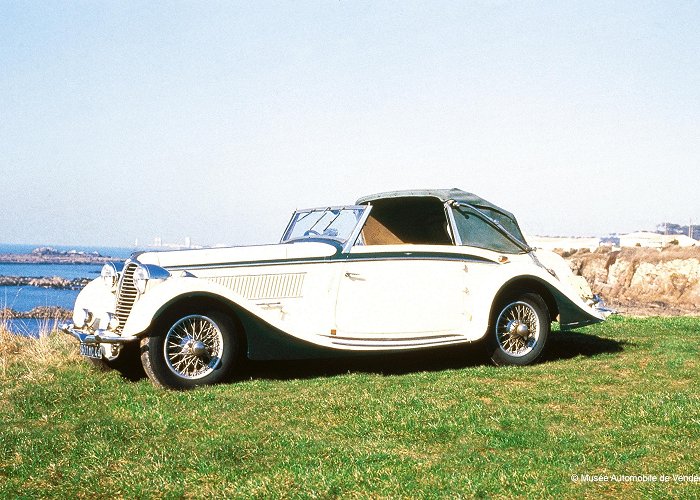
(619,399)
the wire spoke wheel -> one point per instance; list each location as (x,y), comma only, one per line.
(519,330)
(188,349)
(193,347)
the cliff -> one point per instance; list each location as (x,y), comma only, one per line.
(641,280)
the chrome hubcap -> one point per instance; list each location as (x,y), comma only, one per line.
(197,348)
(193,347)
(517,329)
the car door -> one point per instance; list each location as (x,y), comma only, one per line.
(385,291)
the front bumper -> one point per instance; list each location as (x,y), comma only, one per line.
(97,337)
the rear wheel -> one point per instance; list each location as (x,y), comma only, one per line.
(519,330)
(191,350)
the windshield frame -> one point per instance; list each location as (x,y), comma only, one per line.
(347,244)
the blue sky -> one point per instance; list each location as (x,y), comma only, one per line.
(214,120)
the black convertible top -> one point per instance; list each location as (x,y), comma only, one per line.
(499,215)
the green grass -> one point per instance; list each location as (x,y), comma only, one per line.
(618,398)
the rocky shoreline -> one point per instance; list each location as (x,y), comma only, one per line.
(42,312)
(45,282)
(643,281)
(48,255)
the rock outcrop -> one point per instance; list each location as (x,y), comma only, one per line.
(53,282)
(47,255)
(642,280)
(42,312)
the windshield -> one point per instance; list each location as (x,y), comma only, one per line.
(337,223)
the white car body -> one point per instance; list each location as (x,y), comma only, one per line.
(363,290)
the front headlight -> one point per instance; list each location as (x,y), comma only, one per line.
(140,279)
(146,273)
(110,273)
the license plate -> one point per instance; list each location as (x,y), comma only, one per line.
(91,351)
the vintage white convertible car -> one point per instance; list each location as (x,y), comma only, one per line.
(396,271)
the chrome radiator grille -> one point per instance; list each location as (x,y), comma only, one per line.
(127,295)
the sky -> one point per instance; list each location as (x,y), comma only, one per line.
(215,120)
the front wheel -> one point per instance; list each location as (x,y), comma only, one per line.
(192,350)
(519,330)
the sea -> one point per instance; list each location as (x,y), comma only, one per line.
(26,298)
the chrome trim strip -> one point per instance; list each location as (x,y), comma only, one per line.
(385,345)
(348,258)
(332,207)
(390,339)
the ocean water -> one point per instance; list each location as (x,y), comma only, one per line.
(31,327)
(26,298)
(67,271)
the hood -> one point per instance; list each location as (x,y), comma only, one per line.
(242,254)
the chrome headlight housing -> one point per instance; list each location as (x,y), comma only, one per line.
(148,273)
(82,317)
(110,273)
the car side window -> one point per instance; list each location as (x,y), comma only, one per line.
(475,231)
(376,233)
(415,220)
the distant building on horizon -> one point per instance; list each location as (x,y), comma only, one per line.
(567,243)
(647,239)
(159,244)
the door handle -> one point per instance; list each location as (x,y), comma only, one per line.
(270,305)
(354,276)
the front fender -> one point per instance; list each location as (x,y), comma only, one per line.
(96,297)
(160,297)
(573,311)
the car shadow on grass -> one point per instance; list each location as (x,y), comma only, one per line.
(436,359)
(561,345)
(569,344)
